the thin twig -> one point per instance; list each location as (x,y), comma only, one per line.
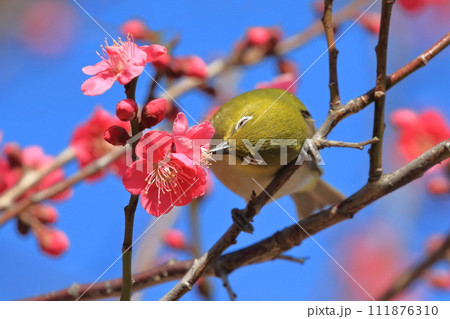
(152,91)
(257,202)
(221,65)
(57,188)
(357,104)
(31,178)
(417,271)
(194,224)
(360,145)
(271,247)
(327,20)
(376,150)
(130,209)
(301,261)
(226,283)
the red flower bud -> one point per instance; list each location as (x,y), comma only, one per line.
(318,7)
(439,186)
(52,241)
(439,279)
(126,110)
(154,112)
(174,238)
(412,5)
(14,154)
(116,135)
(434,243)
(286,66)
(258,36)
(189,66)
(371,22)
(196,67)
(171,112)
(136,28)
(162,62)
(22,227)
(46,214)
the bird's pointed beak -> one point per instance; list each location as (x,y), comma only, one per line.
(222,148)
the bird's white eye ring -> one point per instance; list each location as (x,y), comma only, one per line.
(242,121)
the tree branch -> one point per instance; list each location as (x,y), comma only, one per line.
(407,279)
(57,188)
(328,143)
(272,247)
(376,151)
(327,20)
(257,202)
(33,177)
(357,104)
(130,209)
(226,283)
(221,65)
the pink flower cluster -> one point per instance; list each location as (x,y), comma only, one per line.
(417,5)
(287,80)
(15,163)
(418,132)
(121,62)
(176,67)
(89,144)
(264,39)
(170,170)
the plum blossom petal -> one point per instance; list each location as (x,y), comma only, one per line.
(153,51)
(180,125)
(98,84)
(154,145)
(97,68)
(89,145)
(134,177)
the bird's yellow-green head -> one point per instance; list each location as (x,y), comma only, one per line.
(269,117)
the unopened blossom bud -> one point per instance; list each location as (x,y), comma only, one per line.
(153,112)
(439,186)
(136,28)
(286,66)
(371,22)
(171,112)
(439,279)
(45,213)
(263,37)
(53,242)
(404,118)
(162,62)
(174,238)
(258,36)
(126,110)
(22,227)
(318,7)
(116,135)
(434,243)
(204,288)
(190,66)
(13,154)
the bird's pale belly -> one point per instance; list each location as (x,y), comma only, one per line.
(239,178)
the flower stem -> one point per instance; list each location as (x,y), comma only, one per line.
(129,210)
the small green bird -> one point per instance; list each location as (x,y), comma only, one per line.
(261,131)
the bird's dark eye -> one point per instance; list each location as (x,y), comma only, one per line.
(242,121)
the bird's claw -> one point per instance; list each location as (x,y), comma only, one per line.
(242,221)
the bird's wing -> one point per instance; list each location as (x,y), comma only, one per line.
(321,195)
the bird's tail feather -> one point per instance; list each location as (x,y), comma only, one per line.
(321,195)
